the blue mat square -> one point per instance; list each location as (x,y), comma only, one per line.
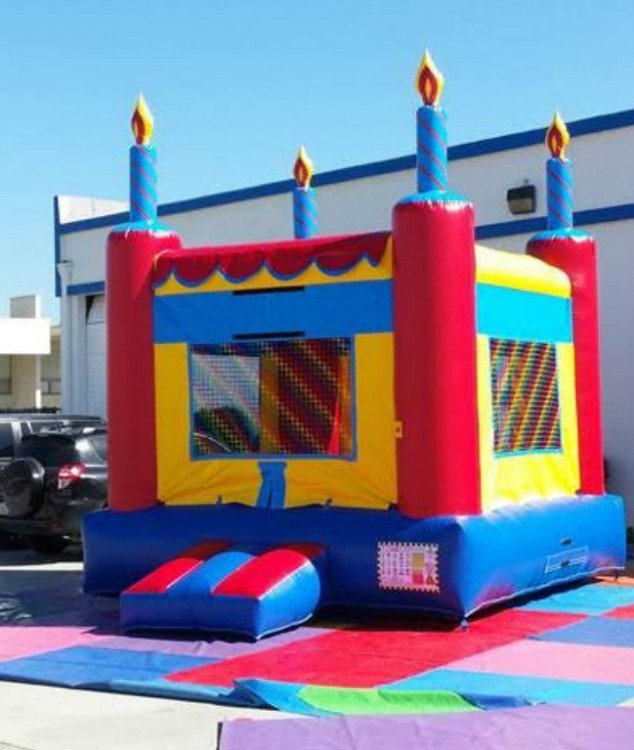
(231,696)
(534,689)
(595,631)
(86,666)
(592,600)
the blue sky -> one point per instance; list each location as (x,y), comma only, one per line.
(236,85)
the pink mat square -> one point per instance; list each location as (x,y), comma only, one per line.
(552,660)
(18,641)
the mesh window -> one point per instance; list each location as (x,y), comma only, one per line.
(272,397)
(525,396)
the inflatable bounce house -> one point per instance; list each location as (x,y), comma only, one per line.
(401,420)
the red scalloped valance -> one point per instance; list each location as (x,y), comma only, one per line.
(285,260)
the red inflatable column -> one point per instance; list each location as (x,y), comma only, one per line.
(435,329)
(132,249)
(574,252)
(131,411)
(435,358)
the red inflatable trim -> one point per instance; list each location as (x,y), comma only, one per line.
(259,575)
(285,259)
(166,575)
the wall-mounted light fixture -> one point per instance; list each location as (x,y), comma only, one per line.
(522,200)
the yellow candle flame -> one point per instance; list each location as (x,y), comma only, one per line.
(557,137)
(429,80)
(304,169)
(142,122)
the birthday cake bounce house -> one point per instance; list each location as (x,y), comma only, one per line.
(399,420)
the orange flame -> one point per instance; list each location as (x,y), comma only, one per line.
(557,137)
(303,169)
(429,80)
(142,122)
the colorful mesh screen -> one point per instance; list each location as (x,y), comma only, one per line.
(272,397)
(525,396)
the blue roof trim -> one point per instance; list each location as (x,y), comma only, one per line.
(92,287)
(538,224)
(462,151)
(97,223)
(600,215)
(502,229)
(505,228)
(586,126)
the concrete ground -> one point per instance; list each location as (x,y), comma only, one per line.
(36,717)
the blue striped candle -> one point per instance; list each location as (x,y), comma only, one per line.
(559,185)
(143,200)
(304,198)
(431,129)
(304,213)
(431,151)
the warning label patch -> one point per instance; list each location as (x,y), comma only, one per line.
(407,566)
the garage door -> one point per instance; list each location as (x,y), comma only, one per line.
(96,355)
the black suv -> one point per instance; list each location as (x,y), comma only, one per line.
(16,425)
(55,478)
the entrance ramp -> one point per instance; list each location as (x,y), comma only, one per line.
(220,587)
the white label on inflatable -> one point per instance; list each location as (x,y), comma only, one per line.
(567,559)
(405,566)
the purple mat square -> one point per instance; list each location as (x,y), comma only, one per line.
(542,727)
(212,649)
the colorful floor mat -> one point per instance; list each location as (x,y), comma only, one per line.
(543,727)
(574,647)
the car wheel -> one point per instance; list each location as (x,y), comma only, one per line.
(22,487)
(48,545)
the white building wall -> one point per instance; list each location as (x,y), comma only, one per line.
(50,373)
(24,338)
(604,165)
(64,270)
(25,381)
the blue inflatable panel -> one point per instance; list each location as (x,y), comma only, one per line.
(227,590)
(445,566)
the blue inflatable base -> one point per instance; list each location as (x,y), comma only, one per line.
(450,566)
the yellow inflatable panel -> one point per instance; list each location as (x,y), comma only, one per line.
(369,481)
(181,479)
(519,271)
(518,478)
(366,480)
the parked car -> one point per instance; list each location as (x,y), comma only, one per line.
(15,426)
(55,478)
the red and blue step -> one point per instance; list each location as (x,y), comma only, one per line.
(221,587)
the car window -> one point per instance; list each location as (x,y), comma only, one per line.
(49,450)
(6,440)
(100,445)
(38,426)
